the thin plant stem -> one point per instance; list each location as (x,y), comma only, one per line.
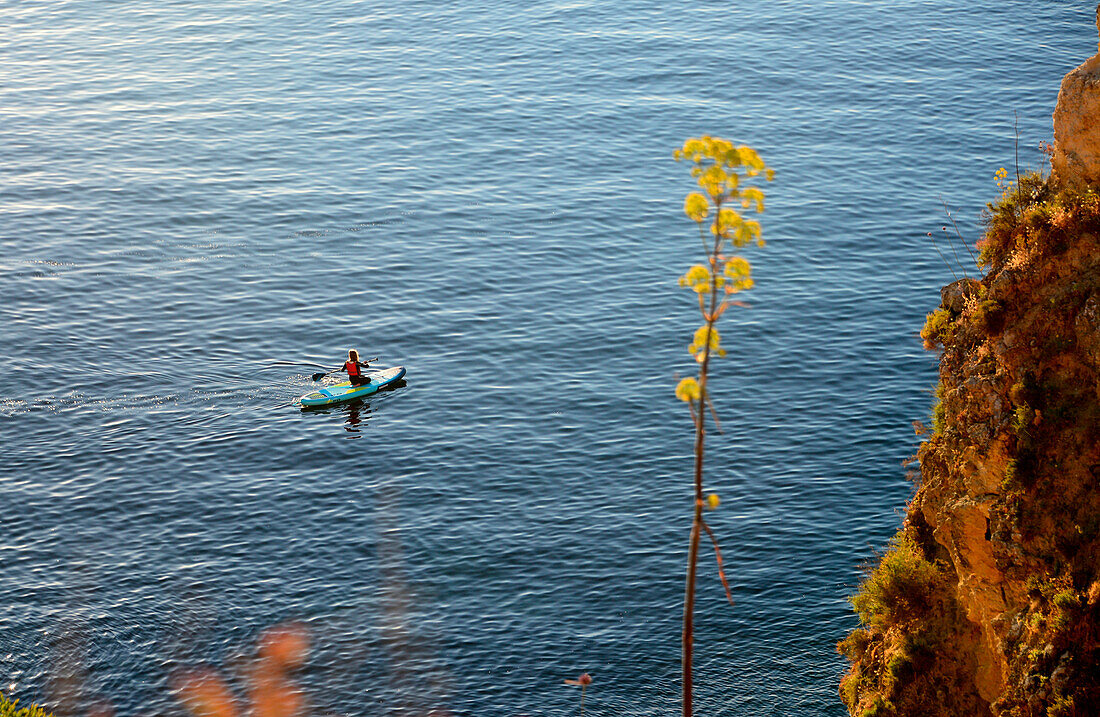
(1016,130)
(946,263)
(714,415)
(951,216)
(721,564)
(688,634)
(954,253)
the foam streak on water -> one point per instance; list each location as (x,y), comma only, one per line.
(191,194)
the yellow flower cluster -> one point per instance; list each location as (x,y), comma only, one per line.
(735,277)
(720,169)
(700,343)
(696,207)
(739,274)
(687,390)
(723,152)
(719,163)
(753,195)
(726,220)
(747,232)
(697,279)
(726,173)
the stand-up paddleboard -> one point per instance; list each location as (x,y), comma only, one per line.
(346,392)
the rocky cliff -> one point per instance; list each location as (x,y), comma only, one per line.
(988,599)
(1076,158)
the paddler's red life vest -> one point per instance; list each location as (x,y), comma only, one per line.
(352,368)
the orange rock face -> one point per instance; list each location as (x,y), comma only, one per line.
(1076,158)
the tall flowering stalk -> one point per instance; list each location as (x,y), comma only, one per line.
(726,173)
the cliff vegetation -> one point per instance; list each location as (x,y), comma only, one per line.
(988,599)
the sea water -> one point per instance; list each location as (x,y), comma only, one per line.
(195,195)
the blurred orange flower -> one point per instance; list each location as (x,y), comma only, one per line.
(583,681)
(271,693)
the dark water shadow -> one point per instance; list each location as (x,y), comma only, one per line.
(353,413)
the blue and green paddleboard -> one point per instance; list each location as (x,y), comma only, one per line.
(346,392)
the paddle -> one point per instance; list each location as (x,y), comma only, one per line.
(280,362)
(319,376)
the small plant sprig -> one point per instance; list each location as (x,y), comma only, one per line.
(726,173)
(583,682)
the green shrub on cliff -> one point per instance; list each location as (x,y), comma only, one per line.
(936,328)
(1067,600)
(879,707)
(939,412)
(904,586)
(908,651)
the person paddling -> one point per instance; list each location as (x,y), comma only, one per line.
(355,369)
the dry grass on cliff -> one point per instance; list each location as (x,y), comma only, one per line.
(1035,219)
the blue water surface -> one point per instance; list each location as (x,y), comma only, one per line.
(194,194)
